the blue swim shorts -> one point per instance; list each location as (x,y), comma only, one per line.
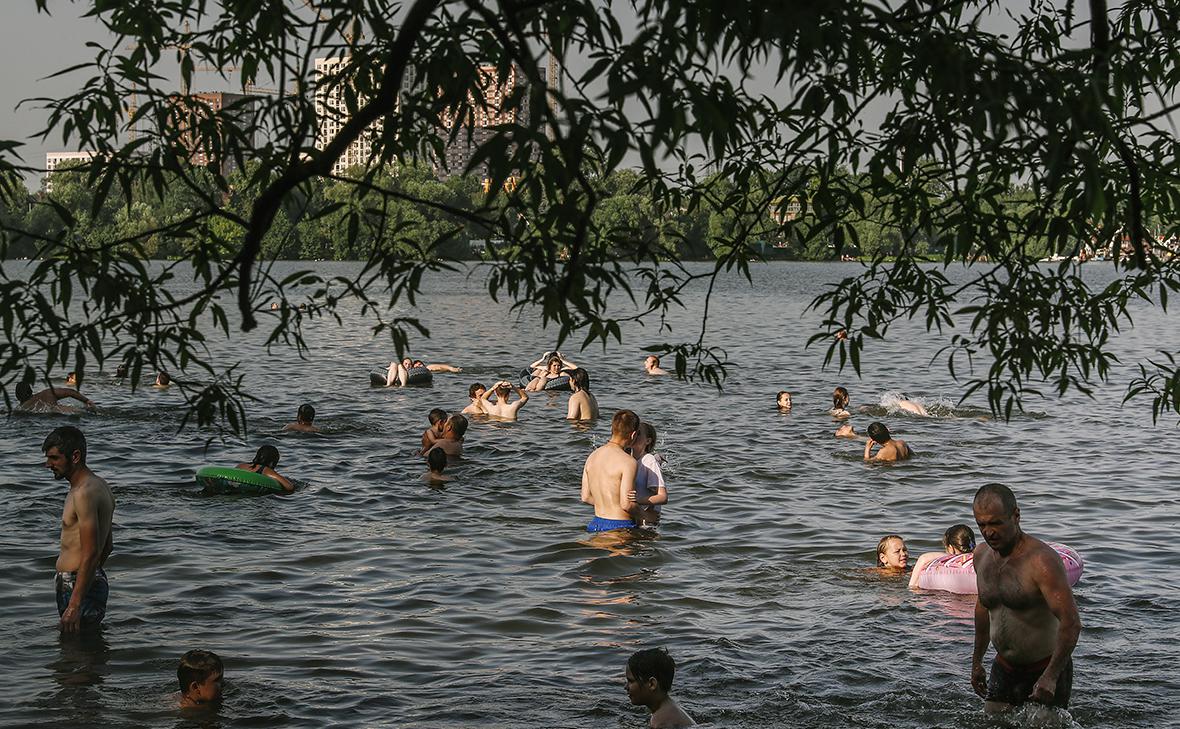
(598,524)
(94,602)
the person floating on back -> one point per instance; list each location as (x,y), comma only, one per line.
(265,461)
(438,422)
(649,683)
(303,420)
(199,675)
(892,449)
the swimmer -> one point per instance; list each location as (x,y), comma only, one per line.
(582,405)
(783,400)
(121,371)
(265,461)
(892,556)
(840,403)
(72,379)
(541,366)
(86,532)
(199,675)
(650,491)
(649,677)
(847,431)
(451,441)
(553,369)
(303,419)
(910,406)
(47,401)
(959,539)
(502,408)
(436,463)
(437,418)
(608,478)
(1025,609)
(892,449)
(475,393)
(163,380)
(651,365)
(437,367)
(398,372)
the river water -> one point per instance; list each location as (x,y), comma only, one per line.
(370,599)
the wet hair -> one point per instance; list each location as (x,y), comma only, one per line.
(477,386)
(879,432)
(625,422)
(196,666)
(839,398)
(163,378)
(998,491)
(580,378)
(267,457)
(121,370)
(780,394)
(436,458)
(960,537)
(23,391)
(653,663)
(553,359)
(306,414)
(649,435)
(71,375)
(419,363)
(436,415)
(881,547)
(653,356)
(458,424)
(66,439)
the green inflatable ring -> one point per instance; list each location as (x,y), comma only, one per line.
(219,480)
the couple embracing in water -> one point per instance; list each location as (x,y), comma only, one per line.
(623,480)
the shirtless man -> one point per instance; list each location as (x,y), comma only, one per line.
(501,408)
(651,365)
(583,405)
(451,442)
(1025,608)
(46,401)
(303,420)
(609,476)
(892,449)
(81,583)
(475,393)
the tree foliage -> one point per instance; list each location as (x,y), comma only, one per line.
(997,146)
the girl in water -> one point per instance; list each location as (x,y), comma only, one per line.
(264,462)
(959,539)
(650,491)
(840,403)
(892,557)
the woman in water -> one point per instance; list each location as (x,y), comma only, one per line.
(650,490)
(552,370)
(264,462)
(892,557)
(959,539)
(840,403)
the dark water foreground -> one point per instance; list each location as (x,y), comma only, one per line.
(369,599)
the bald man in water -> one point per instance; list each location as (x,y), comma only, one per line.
(1025,609)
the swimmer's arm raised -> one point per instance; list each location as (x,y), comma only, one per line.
(983,625)
(869,449)
(1050,578)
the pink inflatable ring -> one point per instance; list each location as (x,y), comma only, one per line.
(956,572)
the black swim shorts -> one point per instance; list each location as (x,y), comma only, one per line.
(1012,684)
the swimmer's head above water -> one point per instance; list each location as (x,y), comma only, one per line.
(580,379)
(267,457)
(783,400)
(840,399)
(959,539)
(476,391)
(879,433)
(892,553)
(436,460)
(306,414)
(199,675)
(23,391)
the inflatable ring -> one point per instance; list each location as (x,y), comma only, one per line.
(219,480)
(414,376)
(561,383)
(956,572)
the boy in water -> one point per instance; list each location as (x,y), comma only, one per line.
(649,681)
(475,392)
(892,449)
(438,421)
(199,675)
(436,463)
(303,420)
